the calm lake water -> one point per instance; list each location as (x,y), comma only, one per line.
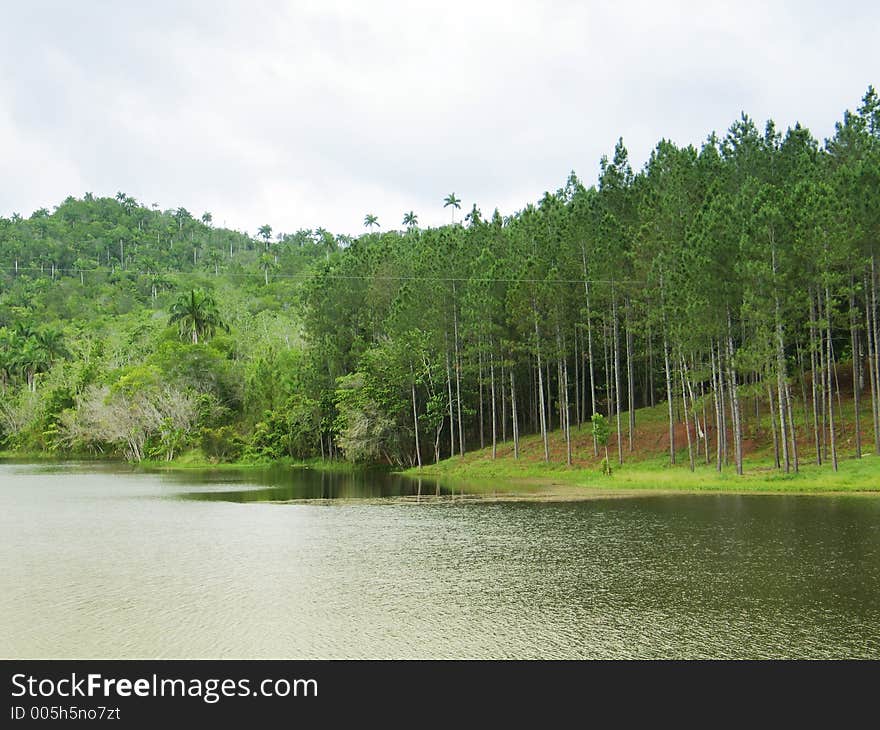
(97,562)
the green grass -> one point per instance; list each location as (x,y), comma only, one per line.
(195,460)
(854,475)
(647,467)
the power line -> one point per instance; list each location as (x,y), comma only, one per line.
(353,277)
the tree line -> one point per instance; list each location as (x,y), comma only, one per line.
(745,270)
(741,274)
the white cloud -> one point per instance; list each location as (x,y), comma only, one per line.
(312,114)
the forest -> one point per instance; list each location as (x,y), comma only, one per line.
(714,281)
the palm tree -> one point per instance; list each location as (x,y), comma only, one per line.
(370,220)
(410,220)
(51,342)
(268,263)
(213,259)
(7,356)
(454,202)
(158,281)
(265,232)
(207,218)
(30,360)
(196,315)
(181,215)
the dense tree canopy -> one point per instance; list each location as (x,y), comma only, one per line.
(739,275)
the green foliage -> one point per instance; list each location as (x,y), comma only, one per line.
(196,315)
(749,262)
(221,443)
(601,429)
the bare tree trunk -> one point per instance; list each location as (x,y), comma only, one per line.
(705,422)
(562,376)
(617,400)
(630,382)
(831,373)
(609,382)
(567,413)
(875,336)
(773,424)
(781,385)
(541,403)
(451,402)
(592,378)
(549,396)
(514,424)
(416,419)
(534,397)
(791,429)
(856,364)
(503,403)
(577,400)
(457,371)
(722,382)
(480,379)
(872,360)
(734,400)
(823,412)
(669,400)
(781,372)
(719,410)
(492,386)
(587,417)
(814,374)
(687,424)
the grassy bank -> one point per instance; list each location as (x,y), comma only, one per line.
(646,466)
(195,460)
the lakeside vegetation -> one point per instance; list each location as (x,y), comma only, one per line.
(718,308)
(530,477)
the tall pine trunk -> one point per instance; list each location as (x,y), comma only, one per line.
(719,409)
(415,419)
(875,336)
(856,364)
(541,404)
(872,360)
(814,374)
(587,417)
(616,364)
(773,425)
(831,372)
(735,412)
(781,372)
(687,423)
(492,388)
(631,389)
(514,424)
(457,371)
(451,402)
(669,400)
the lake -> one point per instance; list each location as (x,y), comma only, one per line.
(103,561)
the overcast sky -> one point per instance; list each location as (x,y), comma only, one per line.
(312,114)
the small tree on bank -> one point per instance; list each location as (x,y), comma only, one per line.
(601,432)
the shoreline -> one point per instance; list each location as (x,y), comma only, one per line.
(480,480)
